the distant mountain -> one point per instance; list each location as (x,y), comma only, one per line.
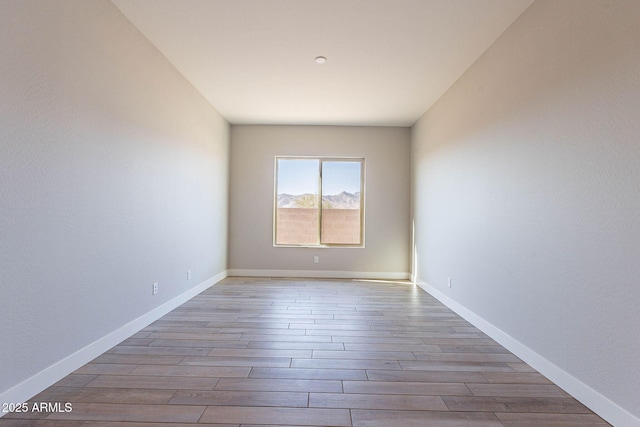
(343,200)
(289,200)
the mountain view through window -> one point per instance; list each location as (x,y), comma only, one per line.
(300,217)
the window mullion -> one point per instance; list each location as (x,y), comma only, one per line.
(320,202)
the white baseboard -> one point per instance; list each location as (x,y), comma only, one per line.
(598,403)
(54,373)
(321,274)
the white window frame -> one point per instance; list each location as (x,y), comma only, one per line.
(321,159)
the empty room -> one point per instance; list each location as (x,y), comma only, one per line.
(319,213)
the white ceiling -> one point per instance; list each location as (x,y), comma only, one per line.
(388,61)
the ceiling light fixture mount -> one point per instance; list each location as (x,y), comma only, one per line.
(321,59)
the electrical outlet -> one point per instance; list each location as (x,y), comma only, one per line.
(316,259)
(188,274)
(155,288)
(449,281)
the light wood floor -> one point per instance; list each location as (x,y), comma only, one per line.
(308,352)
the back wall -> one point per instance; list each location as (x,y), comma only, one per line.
(386,153)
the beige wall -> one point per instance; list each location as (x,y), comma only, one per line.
(526,192)
(113,176)
(386,153)
(299,226)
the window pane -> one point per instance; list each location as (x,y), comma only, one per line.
(341,207)
(297,215)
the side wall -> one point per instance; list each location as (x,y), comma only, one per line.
(526,193)
(113,176)
(386,153)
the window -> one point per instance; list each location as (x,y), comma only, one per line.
(301,183)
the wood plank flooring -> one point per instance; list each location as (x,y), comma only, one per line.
(252,352)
